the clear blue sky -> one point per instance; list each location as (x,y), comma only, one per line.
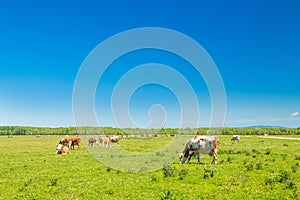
(255,45)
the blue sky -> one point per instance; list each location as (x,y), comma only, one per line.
(255,45)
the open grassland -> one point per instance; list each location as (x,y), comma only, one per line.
(255,168)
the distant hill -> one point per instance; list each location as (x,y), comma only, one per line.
(265,126)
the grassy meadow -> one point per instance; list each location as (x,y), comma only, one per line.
(255,168)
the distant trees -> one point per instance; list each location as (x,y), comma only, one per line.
(27,130)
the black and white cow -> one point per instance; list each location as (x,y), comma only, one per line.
(200,145)
(235,138)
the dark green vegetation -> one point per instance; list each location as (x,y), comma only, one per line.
(255,168)
(25,130)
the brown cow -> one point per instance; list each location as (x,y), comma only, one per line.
(70,142)
(92,142)
(104,140)
(115,139)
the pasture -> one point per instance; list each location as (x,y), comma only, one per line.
(255,168)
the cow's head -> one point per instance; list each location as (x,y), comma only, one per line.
(181,155)
(181,158)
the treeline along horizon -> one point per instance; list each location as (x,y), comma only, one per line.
(29,130)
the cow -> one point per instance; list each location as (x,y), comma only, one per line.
(92,142)
(235,138)
(104,140)
(115,139)
(61,149)
(70,142)
(200,145)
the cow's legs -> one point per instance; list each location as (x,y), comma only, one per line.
(198,157)
(215,157)
(189,158)
(70,144)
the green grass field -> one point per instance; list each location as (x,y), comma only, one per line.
(255,168)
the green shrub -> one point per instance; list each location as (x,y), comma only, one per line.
(229,159)
(209,172)
(182,173)
(168,171)
(283,176)
(167,195)
(249,167)
(108,169)
(258,166)
(290,185)
(53,182)
(284,156)
(270,181)
(294,167)
(153,177)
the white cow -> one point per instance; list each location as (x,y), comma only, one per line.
(200,145)
(235,138)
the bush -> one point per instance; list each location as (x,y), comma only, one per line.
(283,156)
(168,171)
(182,173)
(229,159)
(294,167)
(167,194)
(290,185)
(254,151)
(297,157)
(209,172)
(268,151)
(283,176)
(53,182)
(108,169)
(153,177)
(258,166)
(270,181)
(249,167)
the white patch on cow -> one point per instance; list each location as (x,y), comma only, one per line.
(59,147)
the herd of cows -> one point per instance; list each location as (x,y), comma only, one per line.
(196,146)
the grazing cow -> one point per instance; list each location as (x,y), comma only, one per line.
(200,145)
(104,140)
(37,136)
(92,142)
(10,136)
(61,149)
(235,138)
(70,142)
(115,139)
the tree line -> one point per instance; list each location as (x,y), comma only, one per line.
(28,130)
